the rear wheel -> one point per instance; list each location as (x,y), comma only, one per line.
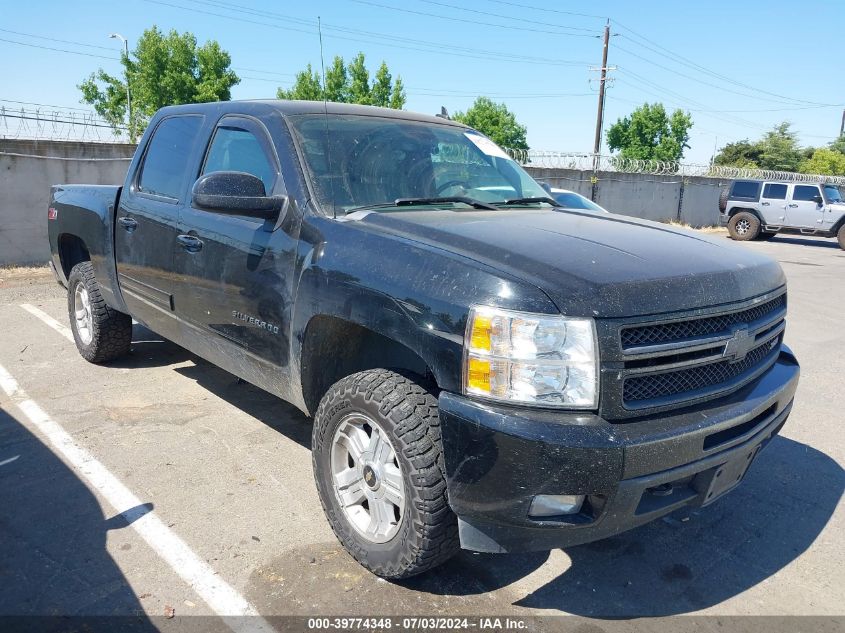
(101,333)
(744,226)
(841,237)
(378,464)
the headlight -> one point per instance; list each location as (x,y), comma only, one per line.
(537,359)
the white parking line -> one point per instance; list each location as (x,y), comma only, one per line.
(50,321)
(223,599)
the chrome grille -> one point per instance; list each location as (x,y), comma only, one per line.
(680,330)
(695,378)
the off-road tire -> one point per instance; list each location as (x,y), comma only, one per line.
(744,226)
(723,199)
(408,413)
(111,330)
(841,237)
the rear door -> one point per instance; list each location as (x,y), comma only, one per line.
(146,223)
(235,272)
(803,211)
(773,203)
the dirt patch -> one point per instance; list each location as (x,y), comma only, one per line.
(718,230)
(14,276)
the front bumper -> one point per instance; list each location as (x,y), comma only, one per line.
(498,458)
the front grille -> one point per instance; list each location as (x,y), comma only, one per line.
(676,360)
(680,330)
(693,379)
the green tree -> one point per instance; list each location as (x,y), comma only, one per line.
(839,144)
(496,121)
(306,87)
(824,161)
(779,149)
(348,83)
(650,134)
(739,154)
(166,70)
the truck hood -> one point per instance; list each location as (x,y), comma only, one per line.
(593,265)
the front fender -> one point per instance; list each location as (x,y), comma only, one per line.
(414,294)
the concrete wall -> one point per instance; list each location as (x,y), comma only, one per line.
(28,169)
(691,200)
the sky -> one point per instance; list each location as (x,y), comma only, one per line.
(738,68)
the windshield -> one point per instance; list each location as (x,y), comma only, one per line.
(572,200)
(357,161)
(832,193)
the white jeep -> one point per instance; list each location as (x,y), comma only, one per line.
(759,210)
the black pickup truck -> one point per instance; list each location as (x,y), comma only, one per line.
(485,369)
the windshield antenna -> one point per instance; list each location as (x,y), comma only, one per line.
(326,116)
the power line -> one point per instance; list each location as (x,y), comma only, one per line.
(440,16)
(685,61)
(53,39)
(58,50)
(702,81)
(547,10)
(419,45)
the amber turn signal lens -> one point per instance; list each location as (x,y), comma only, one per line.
(478,376)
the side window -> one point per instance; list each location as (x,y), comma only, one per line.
(236,149)
(805,193)
(167,157)
(745,189)
(775,191)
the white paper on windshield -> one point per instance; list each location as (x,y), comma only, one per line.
(486,145)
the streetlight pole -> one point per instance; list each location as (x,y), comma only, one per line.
(118,36)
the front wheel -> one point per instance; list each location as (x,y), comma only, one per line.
(744,226)
(378,464)
(101,333)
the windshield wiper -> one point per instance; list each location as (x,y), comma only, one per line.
(475,204)
(408,202)
(550,201)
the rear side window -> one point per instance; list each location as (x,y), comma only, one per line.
(168,154)
(745,189)
(234,149)
(805,193)
(774,191)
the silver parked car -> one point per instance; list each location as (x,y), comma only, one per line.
(572,200)
(759,210)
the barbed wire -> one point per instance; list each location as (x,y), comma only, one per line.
(57,124)
(591,162)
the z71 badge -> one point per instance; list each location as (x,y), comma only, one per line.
(256,322)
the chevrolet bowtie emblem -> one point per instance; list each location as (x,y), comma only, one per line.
(738,346)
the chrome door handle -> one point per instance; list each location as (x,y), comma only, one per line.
(190,243)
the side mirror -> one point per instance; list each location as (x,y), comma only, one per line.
(818,199)
(546,187)
(234,193)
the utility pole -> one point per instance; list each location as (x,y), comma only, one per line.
(118,36)
(602,81)
(600,113)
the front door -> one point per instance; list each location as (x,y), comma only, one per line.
(146,223)
(235,272)
(803,211)
(773,203)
